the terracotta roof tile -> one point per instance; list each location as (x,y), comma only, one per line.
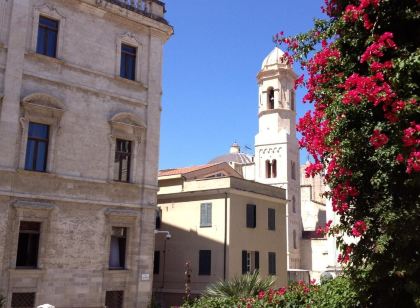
(167,172)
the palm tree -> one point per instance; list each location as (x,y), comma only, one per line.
(240,287)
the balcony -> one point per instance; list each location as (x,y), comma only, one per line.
(153,9)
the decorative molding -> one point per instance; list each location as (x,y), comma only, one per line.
(50,11)
(122,213)
(33,205)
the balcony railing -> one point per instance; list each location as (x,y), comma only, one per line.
(143,7)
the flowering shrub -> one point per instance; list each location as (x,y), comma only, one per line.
(335,293)
(363,67)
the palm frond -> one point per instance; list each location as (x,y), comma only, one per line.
(240,287)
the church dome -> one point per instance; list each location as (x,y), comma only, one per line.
(234,155)
(273,58)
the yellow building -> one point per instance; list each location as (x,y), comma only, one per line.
(222,224)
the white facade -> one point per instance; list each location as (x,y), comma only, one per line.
(276,147)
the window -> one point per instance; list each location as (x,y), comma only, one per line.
(293,170)
(122,160)
(117,248)
(114,299)
(251,215)
(28,244)
(267,169)
(204,263)
(270,98)
(271,219)
(294,240)
(205,215)
(128,62)
(156,263)
(158,221)
(294,204)
(37,147)
(292,100)
(250,261)
(47,37)
(271,263)
(23,300)
(274,168)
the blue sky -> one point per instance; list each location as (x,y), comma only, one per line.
(210,65)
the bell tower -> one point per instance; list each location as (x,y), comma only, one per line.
(276,146)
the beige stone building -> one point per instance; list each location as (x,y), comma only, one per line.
(314,246)
(222,224)
(80,93)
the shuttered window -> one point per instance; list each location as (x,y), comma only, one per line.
(251,216)
(204,262)
(272,263)
(271,219)
(156,263)
(250,261)
(205,215)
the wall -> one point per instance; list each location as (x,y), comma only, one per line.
(259,239)
(77,201)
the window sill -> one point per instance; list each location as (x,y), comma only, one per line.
(122,182)
(45,58)
(135,83)
(206,226)
(34,172)
(19,272)
(112,269)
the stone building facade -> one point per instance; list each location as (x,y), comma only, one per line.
(80,101)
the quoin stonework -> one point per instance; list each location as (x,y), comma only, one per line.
(80,101)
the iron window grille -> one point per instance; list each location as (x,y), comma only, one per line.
(23,300)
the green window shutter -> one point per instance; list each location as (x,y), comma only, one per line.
(244,261)
(257,260)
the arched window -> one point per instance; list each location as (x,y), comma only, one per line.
(294,204)
(274,168)
(294,239)
(270,98)
(267,169)
(292,100)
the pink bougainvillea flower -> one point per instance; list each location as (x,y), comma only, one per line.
(378,139)
(359,228)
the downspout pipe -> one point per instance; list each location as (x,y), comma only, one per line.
(225,240)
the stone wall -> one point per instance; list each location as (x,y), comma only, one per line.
(80,95)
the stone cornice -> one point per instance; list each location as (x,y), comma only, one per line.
(137,16)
